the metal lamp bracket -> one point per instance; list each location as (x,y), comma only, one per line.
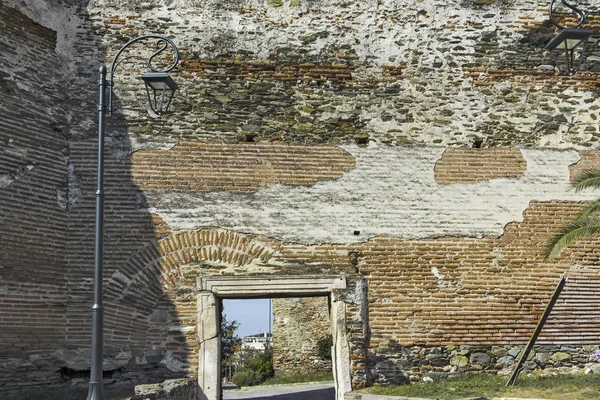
(580,14)
(162,44)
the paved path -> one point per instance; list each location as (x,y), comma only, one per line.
(311,391)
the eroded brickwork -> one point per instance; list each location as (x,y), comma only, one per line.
(205,166)
(590,160)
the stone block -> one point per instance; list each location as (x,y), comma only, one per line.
(506,361)
(560,357)
(459,361)
(482,359)
(174,389)
(498,351)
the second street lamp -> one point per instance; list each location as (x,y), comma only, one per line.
(569,40)
(163,89)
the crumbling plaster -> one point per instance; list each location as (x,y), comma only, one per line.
(59,15)
(392,191)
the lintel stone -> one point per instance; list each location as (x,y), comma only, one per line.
(271,286)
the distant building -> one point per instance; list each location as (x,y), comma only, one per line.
(257,341)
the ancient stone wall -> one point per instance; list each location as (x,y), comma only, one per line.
(423,150)
(298,326)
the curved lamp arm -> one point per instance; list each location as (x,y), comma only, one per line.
(580,14)
(162,43)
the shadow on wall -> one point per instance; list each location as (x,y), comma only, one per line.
(47,191)
(33,216)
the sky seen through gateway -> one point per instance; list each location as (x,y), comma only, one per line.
(252,315)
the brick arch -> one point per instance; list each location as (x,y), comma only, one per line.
(134,290)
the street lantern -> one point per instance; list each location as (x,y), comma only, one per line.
(571,41)
(160,88)
(162,85)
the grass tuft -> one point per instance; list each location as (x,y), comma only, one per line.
(554,387)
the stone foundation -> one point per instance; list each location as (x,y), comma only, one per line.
(72,366)
(401,365)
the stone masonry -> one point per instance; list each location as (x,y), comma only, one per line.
(422,150)
(298,326)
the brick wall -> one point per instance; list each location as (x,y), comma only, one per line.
(438,298)
(205,166)
(33,199)
(467,165)
(460,291)
(589,161)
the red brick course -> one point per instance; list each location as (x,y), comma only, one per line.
(467,165)
(205,166)
(590,159)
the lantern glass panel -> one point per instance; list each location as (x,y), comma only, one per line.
(570,44)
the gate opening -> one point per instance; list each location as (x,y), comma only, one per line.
(212,291)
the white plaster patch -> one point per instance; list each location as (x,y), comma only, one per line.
(392,191)
(5,180)
(436,273)
(174,364)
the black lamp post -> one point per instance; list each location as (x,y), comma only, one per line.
(163,88)
(568,40)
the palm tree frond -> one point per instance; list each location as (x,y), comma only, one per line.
(579,228)
(592,208)
(586,180)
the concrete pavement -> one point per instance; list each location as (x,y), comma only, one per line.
(311,391)
(315,391)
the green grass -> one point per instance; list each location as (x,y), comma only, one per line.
(299,378)
(558,387)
